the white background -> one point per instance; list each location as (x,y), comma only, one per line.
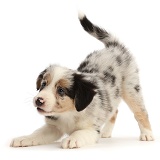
(36,33)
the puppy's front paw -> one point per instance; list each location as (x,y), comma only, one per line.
(24,141)
(72,142)
(146,137)
(106,135)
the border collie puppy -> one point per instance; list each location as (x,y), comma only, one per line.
(83,103)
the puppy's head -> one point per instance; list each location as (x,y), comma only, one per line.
(61,90)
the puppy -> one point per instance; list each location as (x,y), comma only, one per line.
(79,102)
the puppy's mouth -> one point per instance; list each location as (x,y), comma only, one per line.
(43,112)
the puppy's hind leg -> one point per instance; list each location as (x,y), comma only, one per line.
(133,97)
(109,125)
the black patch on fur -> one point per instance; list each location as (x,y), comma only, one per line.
(110,69)
(117,92)
(105,101)
(101,33)
(123,48)
(110,78)
(84,92)
(127,57)
(90,55)
(137,88)
(90,27)
(119,60)
(112,44)
(102,97)
(85,68)
(93,70)
(87,25)
(82,65)
(52,118)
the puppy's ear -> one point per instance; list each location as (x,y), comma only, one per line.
(84,92)
(39,79)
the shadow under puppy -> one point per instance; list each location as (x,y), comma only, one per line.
(79,102)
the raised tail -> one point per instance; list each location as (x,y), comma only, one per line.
(95,31)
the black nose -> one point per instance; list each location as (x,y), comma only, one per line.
(39,101)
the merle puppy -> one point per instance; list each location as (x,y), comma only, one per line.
(79,103)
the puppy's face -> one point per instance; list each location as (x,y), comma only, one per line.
(62,90)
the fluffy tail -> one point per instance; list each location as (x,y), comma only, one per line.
(95,31)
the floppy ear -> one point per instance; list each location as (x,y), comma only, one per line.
(39,79)
(84,92)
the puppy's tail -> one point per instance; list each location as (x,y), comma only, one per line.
(94,30)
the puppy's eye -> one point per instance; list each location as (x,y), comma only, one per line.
(60,91)
(43,85)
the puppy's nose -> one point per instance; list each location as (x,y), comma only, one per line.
(39,101)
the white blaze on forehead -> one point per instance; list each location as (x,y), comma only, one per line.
(57,73)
